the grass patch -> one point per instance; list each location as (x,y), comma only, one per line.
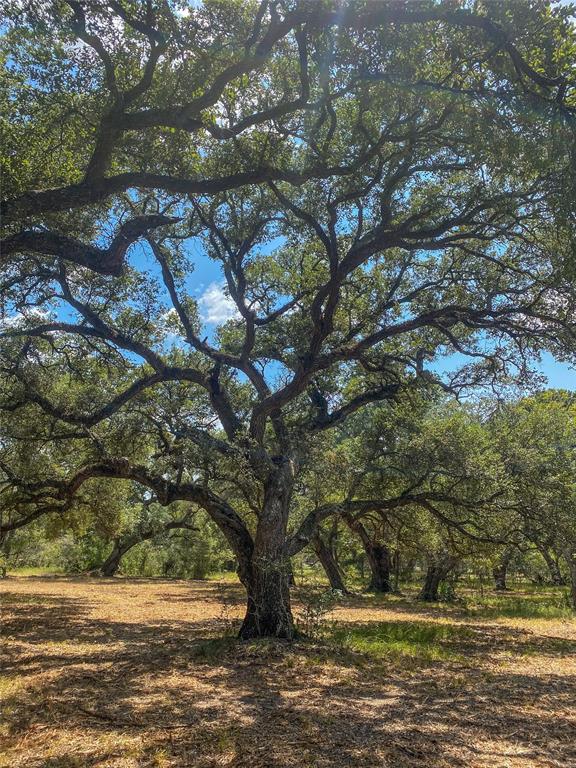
(533,606)
(230,577)
(422,641)
(214,649)
(54,571)
(9,684)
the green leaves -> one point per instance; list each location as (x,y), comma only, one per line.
(385,188)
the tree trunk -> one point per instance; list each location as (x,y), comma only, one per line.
(499,573)
(436,572)
(378,556)
(112,562)
(328,562)
(407,570)
(500,570)
(379,562)
(268,611)
(396,570)
(556,577)
(110,566)
(122,545)
(571,559)
(291,579)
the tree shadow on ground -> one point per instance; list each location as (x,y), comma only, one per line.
(178,690)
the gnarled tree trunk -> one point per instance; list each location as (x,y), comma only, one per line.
(436,572)
(500,570)
(556,577)
(328,562)
(122,545)
(110,566)
(377,554)
(268,610)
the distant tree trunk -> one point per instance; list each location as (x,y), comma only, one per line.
(124,544)
(556,577)
(437,570)
(110,566)
(380,562)
(328,562)
(291,579)
(5,547)
(570,555)
(500,570)
(396,560)
(378,556)
(407,570)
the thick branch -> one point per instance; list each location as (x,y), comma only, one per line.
(106,261)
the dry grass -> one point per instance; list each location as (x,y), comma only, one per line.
(122,673)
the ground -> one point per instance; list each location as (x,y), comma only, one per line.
(134,673)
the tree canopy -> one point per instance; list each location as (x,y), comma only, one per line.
(388,189)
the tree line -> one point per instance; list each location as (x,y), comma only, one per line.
(480,488)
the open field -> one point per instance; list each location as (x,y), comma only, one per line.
(127,673)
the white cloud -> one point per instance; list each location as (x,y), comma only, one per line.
(186,10)
(22,319)
(169,326)
(215,306)
(169,318)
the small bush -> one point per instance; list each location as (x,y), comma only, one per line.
(447,592)
(317,604)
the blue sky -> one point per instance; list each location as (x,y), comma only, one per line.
(559,375)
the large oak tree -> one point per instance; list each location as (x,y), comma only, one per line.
(382,184)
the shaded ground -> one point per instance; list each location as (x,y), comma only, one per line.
(130,673)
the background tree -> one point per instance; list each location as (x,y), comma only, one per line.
(537,438)
(148,525)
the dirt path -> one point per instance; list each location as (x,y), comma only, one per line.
(128,674)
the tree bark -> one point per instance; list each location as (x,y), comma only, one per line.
(378,556)
(556,577)
(438,569)
(328,562)
(570,555)
(500,570)
(110,566)
(268,610)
